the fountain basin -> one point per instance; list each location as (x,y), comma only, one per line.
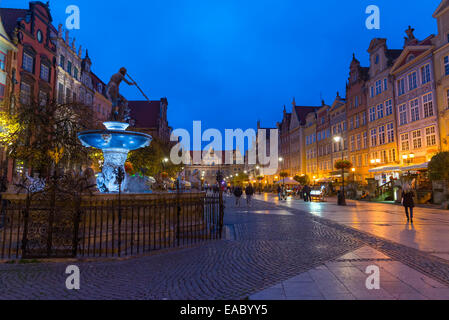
(115,143)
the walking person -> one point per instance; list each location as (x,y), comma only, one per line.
(306,193)
(238,194)
(249,191)
(408,202)
(279,192)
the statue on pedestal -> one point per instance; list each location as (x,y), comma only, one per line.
(113,94)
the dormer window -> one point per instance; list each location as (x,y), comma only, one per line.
(410,57)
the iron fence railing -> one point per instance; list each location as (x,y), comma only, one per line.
(108,228)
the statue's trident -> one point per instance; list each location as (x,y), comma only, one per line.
(137,86)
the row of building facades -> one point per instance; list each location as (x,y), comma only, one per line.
(394,117)
(39,62)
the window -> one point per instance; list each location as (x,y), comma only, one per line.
(351,124)
(25,93)
(365,140)
(372,114)
(403,114)
(28,62)
(378,87)
(372,92)
(390,132)
(68,95)
(356,101)
(428,105)
(61,93)
(359,142)
(414,110)
(385,84)
(62,61)
(357,121)
(405,146)
(447,94)
(431,139)
(446,65)
(2,91)
(425,74)
(373,137)
(45,73)
(417,143)
(412,81)
(352,143)
(69,67)
(401,87)
(75,73)
(388,107)
(380,111)
(2,61)
(382,135)
(364,116)
(43,97)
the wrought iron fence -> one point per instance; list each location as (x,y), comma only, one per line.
(113,227)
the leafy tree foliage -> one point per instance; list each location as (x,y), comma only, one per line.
(439,166)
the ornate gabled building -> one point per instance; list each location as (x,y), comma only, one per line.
(356,90)
(324,143)
(381,135)
(310,145)
(284,141)
(417,117)
(297,156)
(338,127)
(31,29)
(151,117)
(68,70)
(441,67)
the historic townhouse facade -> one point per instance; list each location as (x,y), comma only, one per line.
(417,118)
(381,116)
(36,56)
(441,69)
(310,145)
(357,120)
(68,71)
(101,104)
(324,143)
(8,68)
(298,138)
(339,132)
(284,142)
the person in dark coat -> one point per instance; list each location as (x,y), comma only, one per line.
(249,191)
(408,202)
(306,191)
(238,194)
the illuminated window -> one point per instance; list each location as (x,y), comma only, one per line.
(373,137)
(431,139)
(382,135)
(414,110)
(2,61)
(416,137)
(428,105)
(405,146)
(390,132)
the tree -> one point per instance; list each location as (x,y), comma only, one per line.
(44,136)
(284,174)
(303,180)
(149,161)
(343,164)
(439,166)
(240,179)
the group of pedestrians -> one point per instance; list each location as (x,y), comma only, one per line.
(249,192)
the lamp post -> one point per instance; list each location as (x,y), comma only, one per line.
(338,140)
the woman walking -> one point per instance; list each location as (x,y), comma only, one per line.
(408,202)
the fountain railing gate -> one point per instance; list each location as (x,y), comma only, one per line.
(106,225)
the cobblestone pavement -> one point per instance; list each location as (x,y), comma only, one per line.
(264,246)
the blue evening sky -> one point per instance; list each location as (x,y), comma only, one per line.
(229,63)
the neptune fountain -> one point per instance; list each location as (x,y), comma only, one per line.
(115,142)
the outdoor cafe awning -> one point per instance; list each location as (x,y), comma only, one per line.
(385,169)
(421,166)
